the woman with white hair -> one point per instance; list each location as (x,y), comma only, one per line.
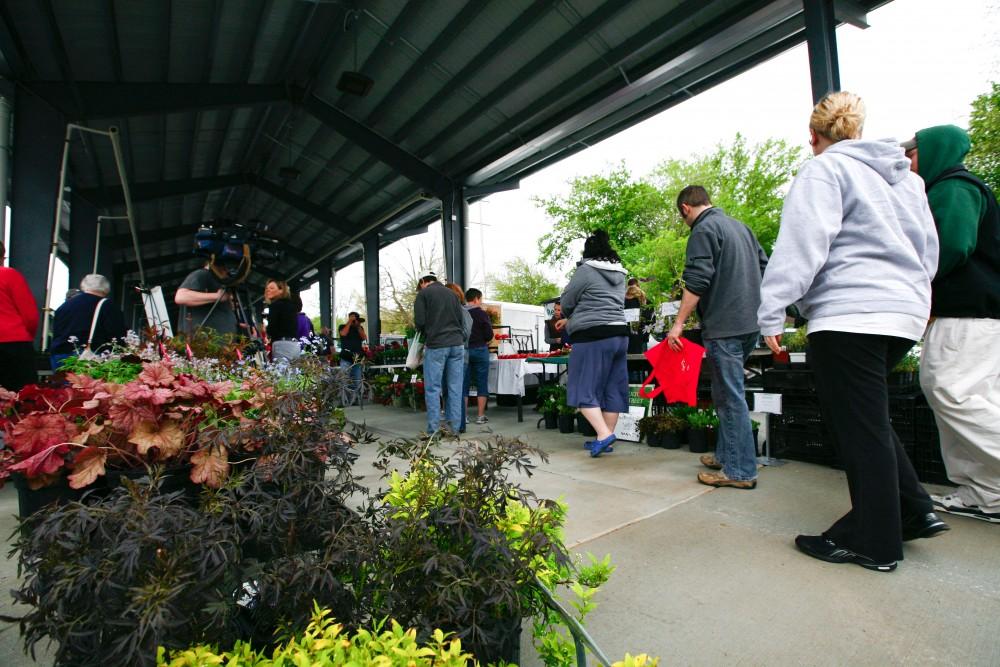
(856,252)
(88,321)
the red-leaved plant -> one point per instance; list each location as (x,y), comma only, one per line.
(92,426)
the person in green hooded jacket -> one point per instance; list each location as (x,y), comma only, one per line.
(960,363)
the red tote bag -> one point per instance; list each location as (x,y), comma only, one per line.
(676,373)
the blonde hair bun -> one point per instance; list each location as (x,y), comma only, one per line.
(839,116)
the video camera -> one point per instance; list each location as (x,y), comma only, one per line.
(232,247)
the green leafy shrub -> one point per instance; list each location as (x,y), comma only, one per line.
(326,644)
(908,364)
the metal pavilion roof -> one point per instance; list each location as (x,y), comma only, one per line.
(214,97)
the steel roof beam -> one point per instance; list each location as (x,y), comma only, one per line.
(186,186)
(313,210)
(112,196)
(406,163)
(121,100)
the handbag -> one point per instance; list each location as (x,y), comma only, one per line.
(88,354)
(415,357)
(676,373)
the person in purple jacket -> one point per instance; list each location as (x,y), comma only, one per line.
(304,327)
(479,354)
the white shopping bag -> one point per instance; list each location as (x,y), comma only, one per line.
(415,357)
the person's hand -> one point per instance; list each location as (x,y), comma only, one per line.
(674,337)
(560,324)
(773,343)
(223,295)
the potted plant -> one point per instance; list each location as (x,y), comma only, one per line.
(550,396)
(567,418)
(671,426)
(796,344)
(648,430)
(755,427)
(703,424)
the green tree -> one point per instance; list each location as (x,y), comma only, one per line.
(984,131)
(747,182)
(520,282)
(630,210)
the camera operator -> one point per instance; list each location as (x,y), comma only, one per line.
(352,337)
(205,303)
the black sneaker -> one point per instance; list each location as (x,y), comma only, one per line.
(923,525)
(825,549)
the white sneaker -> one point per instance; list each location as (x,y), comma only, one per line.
(952,504)
(481,419)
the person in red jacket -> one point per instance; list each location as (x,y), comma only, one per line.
(18,324)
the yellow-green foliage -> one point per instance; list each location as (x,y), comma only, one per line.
(641,660)
(324,644)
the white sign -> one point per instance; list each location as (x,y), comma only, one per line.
(395,378)
(414,379)
(627,427)
(156,311)
(770,403)
(631,315)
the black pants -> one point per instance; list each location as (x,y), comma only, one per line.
(17,365)
(851,372)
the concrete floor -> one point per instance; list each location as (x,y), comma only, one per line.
(711,576)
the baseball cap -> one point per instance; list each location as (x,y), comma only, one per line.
(357,316)
(908,145)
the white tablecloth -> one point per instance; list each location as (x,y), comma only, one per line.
(510,376)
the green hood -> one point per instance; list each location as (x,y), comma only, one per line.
(939,148)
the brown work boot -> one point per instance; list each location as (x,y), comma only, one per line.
(709,461)
(720,479)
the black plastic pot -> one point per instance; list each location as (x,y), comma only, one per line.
(567,423)
(30,501)
(583,426)
(654,439)
(502,645)
(701,440)
(551,420)
(670,440)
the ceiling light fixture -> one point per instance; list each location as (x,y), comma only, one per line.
(354,82)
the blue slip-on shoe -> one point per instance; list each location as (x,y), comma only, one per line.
(602,446)
(589,444)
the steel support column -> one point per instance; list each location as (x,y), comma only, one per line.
(82,238)
(325,294)
(374,328)
(455,234)
(821,38)
(38,142)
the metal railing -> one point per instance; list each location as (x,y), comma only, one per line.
(581,638)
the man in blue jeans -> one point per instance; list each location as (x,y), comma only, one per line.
(722,275)
(478,368)
(438,316)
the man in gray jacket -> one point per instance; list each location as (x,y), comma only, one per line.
(722,277)
(439,317)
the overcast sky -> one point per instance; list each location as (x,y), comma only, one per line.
(921,63)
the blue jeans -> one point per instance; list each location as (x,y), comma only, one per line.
(444,366)
(735,448)
(477,369)
(355,371)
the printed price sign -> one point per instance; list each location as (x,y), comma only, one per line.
(395,378)
(770,403)
(414,379)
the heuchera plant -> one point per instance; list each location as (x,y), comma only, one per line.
(162,416)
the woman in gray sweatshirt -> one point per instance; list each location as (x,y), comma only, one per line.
(856,251)
(594,303)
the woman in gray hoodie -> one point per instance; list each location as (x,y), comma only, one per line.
(856,252)
(594,303)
